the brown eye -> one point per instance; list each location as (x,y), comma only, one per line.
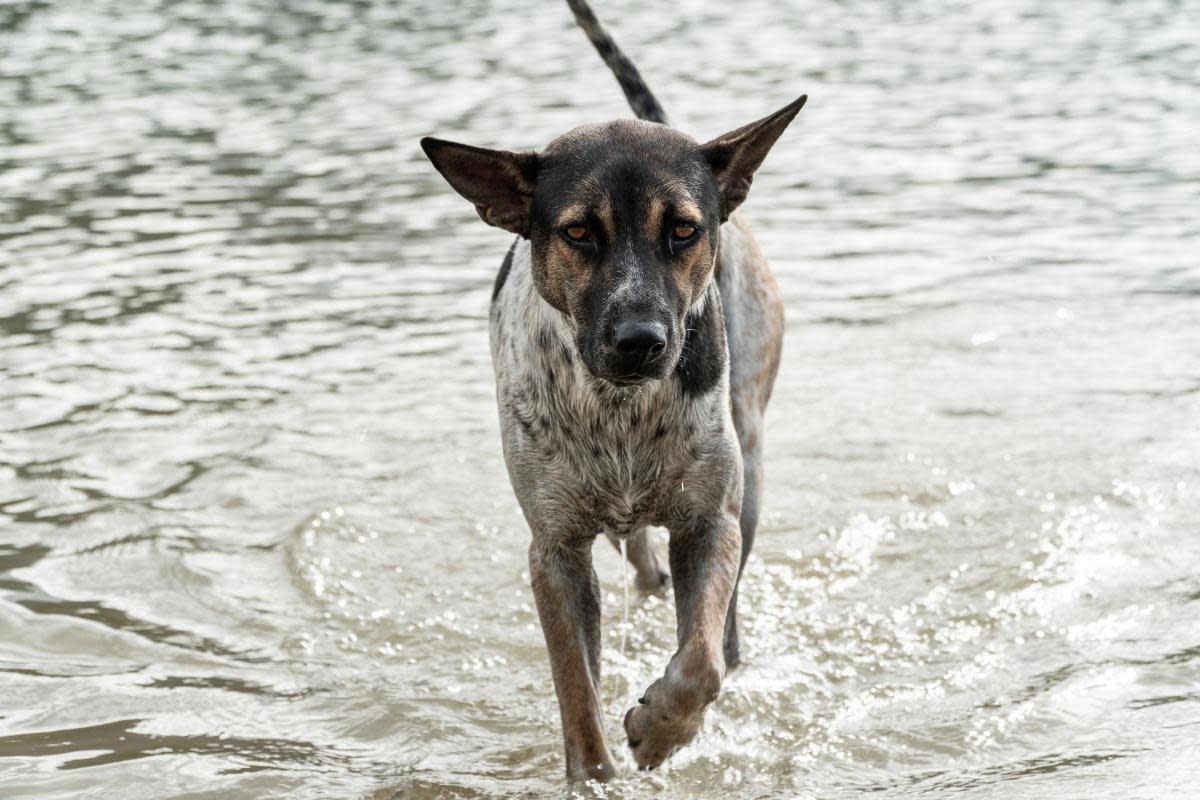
(683,231)
(577,233)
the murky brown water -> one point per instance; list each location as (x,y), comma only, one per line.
(256,538)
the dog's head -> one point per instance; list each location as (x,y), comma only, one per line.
(623,219)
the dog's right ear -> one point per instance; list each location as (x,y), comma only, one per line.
(498,182)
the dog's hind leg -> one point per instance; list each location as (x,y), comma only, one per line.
(567,594)
(647,562)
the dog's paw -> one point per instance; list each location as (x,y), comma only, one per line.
(655,731)
(657,582)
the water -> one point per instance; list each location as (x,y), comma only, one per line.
(256,538)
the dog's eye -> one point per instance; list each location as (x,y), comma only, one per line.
(577,233)
(682,232)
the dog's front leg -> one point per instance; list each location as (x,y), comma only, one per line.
(568,601)
(704,566)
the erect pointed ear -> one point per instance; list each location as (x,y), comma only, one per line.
(498,182)
(736,155)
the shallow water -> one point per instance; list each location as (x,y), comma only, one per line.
(256,538)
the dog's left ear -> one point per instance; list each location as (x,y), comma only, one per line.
(498,182)
(736,155)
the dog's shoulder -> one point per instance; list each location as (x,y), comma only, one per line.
(754,317)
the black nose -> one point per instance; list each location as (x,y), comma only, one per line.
(640,339)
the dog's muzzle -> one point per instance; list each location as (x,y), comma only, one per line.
(637,351)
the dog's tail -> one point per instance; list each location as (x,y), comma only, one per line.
(640,98)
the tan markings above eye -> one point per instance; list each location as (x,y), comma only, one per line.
(577,232)
(683,231)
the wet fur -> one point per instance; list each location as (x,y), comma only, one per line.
(611,459)
(595,457)
(587,457)
(591,451)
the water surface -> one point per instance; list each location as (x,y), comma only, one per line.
(256,537)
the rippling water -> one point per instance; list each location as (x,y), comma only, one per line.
(256,537)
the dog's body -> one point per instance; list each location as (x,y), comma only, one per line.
(613,460)
(634,360)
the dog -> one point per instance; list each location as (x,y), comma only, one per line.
(635,333)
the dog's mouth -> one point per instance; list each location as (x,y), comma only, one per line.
(625,381)
(637,377)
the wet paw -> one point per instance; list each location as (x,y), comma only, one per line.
(655,732)
(655,582)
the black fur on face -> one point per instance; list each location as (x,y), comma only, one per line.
(624,229)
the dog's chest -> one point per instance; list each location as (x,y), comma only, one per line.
(609,458)
(619,453)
